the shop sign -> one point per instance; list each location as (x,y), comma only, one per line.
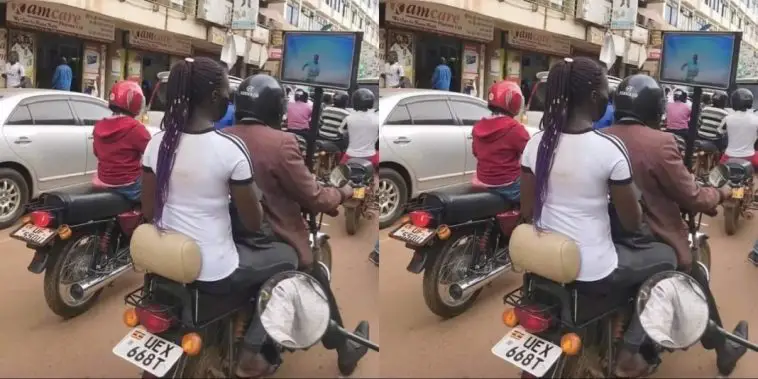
(595,35)
(61,19)
(275,53)
(640,34)
(594,11)
(654,54)
(277,38)
(440,19)
(540,41)
(260,35)
(624,15)
(633,54)
(215,11)
(245,14)
(656,38)
(160,41)
(216,35)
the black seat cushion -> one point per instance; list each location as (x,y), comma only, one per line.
(327,146)
(706,146)
(458,208)
(739,168)
(79,208)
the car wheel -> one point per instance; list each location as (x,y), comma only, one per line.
(14,195)
(392,196)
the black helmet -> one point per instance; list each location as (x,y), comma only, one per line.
(680,95)
(741,99)
(706,99)
(718,99)
(262,98)
(301,96)
(639,98)
(340,99)
(363,99)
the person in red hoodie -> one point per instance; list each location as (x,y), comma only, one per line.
(120,140)
(499,141)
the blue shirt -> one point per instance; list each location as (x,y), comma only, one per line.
(227,120)
(441,77)
(607,119)
(62,77)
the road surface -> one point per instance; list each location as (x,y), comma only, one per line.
(417,343)
(36,343)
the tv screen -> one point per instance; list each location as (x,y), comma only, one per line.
(321,59)
(702,59)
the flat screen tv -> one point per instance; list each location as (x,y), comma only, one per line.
(321,59)
(700,59)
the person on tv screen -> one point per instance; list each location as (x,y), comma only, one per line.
(313,69)
(692,69)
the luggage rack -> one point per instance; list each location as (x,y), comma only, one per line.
(517,299)
(139,299)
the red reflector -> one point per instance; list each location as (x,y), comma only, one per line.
(532,319)
(153,321)
(422,219)
(41,219)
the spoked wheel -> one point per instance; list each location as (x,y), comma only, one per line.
(71,265)
(449,267)
(324,255)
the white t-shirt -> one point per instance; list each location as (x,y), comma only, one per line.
(577,200)
(392,74)
(13,74)
(198,199)
(362,132)
(742,131)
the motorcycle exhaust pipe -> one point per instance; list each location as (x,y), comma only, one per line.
(86,288)
(467,287)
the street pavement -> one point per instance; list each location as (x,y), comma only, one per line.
(417,343)
(37,343)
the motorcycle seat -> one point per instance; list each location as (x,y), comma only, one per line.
(739,168)
(80,208)
(327,146)
(706,146)
(459,208)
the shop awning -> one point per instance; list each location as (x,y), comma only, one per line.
(276,16)
(658,22)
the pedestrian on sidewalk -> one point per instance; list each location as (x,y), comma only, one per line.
(62,76)
(442,76)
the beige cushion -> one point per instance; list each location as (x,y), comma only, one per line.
(547,254)
(169,254)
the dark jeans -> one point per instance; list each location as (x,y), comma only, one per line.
(634,267)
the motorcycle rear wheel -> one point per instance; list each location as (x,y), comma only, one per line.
(352,220)
(53,287)
(731,218)
(446,308)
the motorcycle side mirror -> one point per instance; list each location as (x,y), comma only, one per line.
(339,176)
(719,176)
(294,309)
(673,309)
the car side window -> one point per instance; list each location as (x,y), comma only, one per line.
(431,112)
(90,113)
(52,112)
(468,112)
(20,116)
(399,116)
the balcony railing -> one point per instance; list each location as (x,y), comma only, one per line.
(188,7)
(567,7)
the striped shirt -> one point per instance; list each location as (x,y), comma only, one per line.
(331,123)
(711,123)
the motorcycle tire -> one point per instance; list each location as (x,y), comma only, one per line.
(352,220)
(731,218)
(432,275)
(324,254)
(52,279)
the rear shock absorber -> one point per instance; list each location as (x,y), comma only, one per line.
(485,238)
(105,239)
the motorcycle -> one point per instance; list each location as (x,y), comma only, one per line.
(739,176)
(81,243)
(705,159)
(460,242)
(360,175)
(327,157)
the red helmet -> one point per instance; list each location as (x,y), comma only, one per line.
(506,96)
(127,96)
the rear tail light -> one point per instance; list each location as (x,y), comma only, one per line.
(41,219)
(153,320)
(422,219)
(532,319)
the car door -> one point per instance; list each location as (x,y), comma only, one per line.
(468,113)
(423,133)
(42,131)
(88,112)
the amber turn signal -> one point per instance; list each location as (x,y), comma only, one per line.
(405,219)
(571,344)
(509,318)
(64,232)
(443,232)
(26,219)
(192,344)
(130,318)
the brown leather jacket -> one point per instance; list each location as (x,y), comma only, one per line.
(286,183)
(665,183)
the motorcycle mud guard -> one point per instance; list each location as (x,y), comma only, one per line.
(417,263)
(39,262)
(352,203)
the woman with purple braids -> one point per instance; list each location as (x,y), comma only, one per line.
(190,169)
(568,172)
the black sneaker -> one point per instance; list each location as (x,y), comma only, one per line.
(753,258)
(374,258)
(728,354)
(350,353)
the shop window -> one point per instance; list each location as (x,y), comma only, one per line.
(434,112)
(20,116)
(292,13)
(399,116)
(469,113)
(90,113)
(670,14)
(54,112)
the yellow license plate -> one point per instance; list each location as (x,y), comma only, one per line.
(738,193)
(359,193)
